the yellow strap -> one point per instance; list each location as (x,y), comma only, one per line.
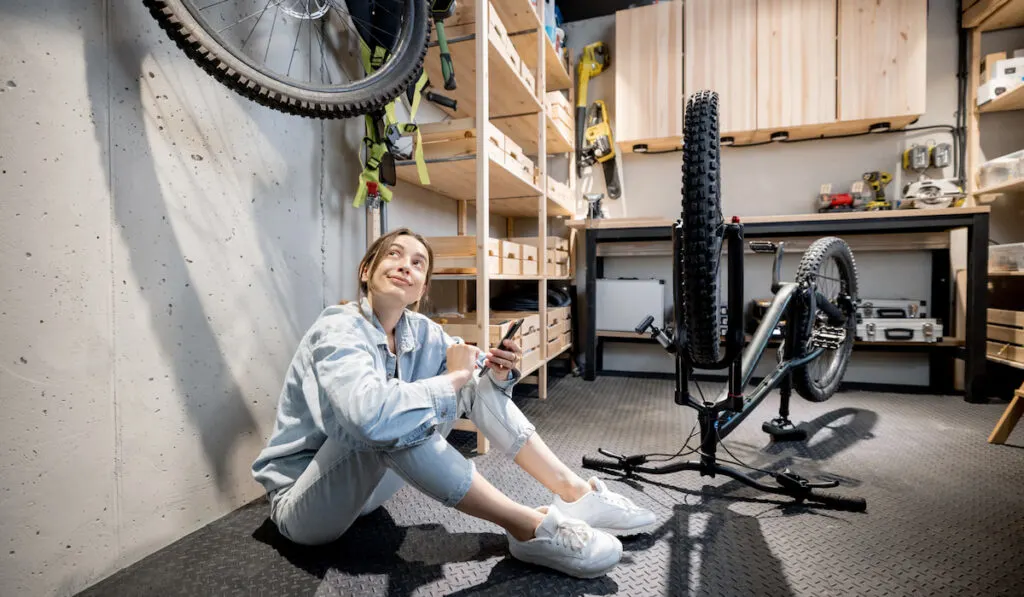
(421,164)
(420,84)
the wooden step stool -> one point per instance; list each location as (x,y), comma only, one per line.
(1010,417)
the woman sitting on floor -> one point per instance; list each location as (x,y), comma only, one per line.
(371,394)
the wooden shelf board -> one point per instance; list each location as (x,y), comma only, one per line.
(558,76)
(990,15)
(515,15)
(994,274)
(509,94)
(822,131)
(618,334)
(523,130)
(526,207)
(456,178)
(660,144)
(1006,362)
(1013,186)
(1011,100)
(497,277)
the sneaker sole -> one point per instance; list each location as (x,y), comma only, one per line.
(629,531)
(612,562)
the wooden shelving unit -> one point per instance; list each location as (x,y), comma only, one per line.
(980,16)
(492,156)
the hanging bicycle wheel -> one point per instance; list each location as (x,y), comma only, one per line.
(828,270)
(302,57)
(702,229)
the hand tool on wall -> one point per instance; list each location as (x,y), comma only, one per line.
(439,11)
(594,140)
(594,60)
(599,147)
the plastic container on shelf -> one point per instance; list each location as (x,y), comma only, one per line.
(1002,169)
(1006,258)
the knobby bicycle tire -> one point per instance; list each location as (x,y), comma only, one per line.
(239,74)
(805,381)
(702,228)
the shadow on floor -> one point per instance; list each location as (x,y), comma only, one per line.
(377,551)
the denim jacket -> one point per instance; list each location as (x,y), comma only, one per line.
(340,384)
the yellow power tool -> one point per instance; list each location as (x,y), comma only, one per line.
(594,140)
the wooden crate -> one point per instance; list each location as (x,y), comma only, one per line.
(559,328)
(1008,335)
(554,242)
(512,266)
(527,73)
(465,328)
(531,360)
(457,254)
(557,314)
(531,320)
(531,267)
(561,193)
(1010,352)
(529,341)
(455,138)
(567,338)
(557,256)
(1005,317)
(511,249)
(559,270)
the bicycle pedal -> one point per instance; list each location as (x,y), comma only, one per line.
(762,246)
(828,337)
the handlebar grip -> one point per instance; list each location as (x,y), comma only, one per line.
(850,504)
(589,462)
(644,324)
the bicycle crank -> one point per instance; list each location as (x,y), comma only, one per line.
(827,336)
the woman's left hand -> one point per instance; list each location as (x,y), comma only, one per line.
(501,361)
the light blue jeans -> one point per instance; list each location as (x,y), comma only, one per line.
(341,483)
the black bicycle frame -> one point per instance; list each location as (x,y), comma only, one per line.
(717,419)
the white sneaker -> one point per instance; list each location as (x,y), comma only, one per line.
(568,545)
(607,511)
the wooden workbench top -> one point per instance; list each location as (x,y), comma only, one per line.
(815,217)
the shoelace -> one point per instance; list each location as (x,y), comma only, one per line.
(573,535)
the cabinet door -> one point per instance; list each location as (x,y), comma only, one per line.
(882,58)
(648,59)
(796,62)
(720,53)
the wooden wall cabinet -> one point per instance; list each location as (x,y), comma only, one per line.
(648,59)
(882,58)
(720,53)
(796,62)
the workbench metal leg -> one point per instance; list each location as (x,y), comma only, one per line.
(590,366)
(940,362)
(977,309)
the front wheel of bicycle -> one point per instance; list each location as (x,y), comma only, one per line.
(702,228)
(302,57)
(828,270)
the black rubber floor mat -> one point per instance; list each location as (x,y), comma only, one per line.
(945,512)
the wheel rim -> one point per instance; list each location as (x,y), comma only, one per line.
(308,44)
(831,281)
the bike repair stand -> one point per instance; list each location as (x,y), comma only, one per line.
(733,408)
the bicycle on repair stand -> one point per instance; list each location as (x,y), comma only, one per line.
(819,308)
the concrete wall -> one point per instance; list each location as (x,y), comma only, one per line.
(783,179)
(164,244)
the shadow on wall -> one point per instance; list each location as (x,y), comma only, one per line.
(211,398)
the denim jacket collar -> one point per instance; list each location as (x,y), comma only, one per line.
(404,336)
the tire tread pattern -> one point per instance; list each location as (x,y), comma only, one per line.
(701,225)
(165,13)
(817,254)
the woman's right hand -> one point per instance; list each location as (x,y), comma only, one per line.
(462,357)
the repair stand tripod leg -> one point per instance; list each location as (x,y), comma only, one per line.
(781,428)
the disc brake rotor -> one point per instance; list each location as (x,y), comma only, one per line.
(306,9)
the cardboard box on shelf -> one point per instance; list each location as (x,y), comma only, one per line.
(1012,68)
(995,87)
(988,64)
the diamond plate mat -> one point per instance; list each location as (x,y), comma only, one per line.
(945,512)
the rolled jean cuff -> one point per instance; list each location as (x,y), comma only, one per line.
(521,439)
(460,492)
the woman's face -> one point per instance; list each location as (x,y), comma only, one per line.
(401,274)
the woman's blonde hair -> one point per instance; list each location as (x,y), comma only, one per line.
(376,253)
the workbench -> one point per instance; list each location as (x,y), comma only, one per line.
(926,229)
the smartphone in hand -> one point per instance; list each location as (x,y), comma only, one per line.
(508,336)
